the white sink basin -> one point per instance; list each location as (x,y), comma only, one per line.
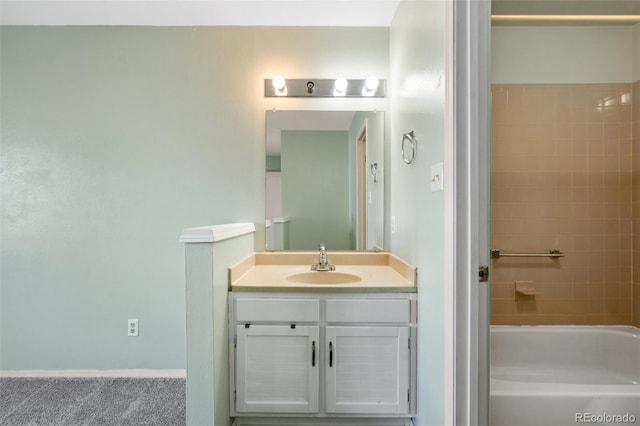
(324,277)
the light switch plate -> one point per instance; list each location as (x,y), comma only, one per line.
(437,177)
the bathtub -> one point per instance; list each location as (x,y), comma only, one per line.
(565,375)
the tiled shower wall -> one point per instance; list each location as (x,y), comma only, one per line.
(561,178)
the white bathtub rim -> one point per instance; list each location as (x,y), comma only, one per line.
(617,329)
(501,387)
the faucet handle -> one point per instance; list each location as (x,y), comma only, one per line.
(321,247)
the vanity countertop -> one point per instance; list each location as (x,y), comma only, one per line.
(272,271)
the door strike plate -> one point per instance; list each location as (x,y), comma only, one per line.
(483,274)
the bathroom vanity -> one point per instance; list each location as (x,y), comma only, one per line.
(306,346)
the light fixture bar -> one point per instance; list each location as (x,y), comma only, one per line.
(325,88)
(621,19)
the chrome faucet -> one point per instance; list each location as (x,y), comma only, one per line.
(323,263)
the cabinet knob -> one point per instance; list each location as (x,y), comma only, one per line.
(313,354)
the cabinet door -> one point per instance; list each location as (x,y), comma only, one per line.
(367,370)
(277,369)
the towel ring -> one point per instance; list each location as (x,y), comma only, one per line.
(409,154)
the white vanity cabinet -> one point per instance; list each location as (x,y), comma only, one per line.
(368,370)
(277,369)
(277,344)
(313,356)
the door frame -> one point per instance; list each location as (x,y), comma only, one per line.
(361,189)
(469,62)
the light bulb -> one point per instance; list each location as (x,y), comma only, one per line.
(341,85)
(278,82)
(371,83)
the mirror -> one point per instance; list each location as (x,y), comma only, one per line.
(325,180)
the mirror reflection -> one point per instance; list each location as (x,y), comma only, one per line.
(325,180)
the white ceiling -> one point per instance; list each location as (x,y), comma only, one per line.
(349,13)
(352,13)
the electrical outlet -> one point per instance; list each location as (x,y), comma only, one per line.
(132,328)
(393,224)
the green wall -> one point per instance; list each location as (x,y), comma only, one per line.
(315,190)
(418,104)
(114,139)
(207,282)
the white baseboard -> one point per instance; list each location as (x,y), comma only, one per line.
(96,373)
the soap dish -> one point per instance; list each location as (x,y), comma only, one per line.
(525,288)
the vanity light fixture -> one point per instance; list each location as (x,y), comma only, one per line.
(278,86)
